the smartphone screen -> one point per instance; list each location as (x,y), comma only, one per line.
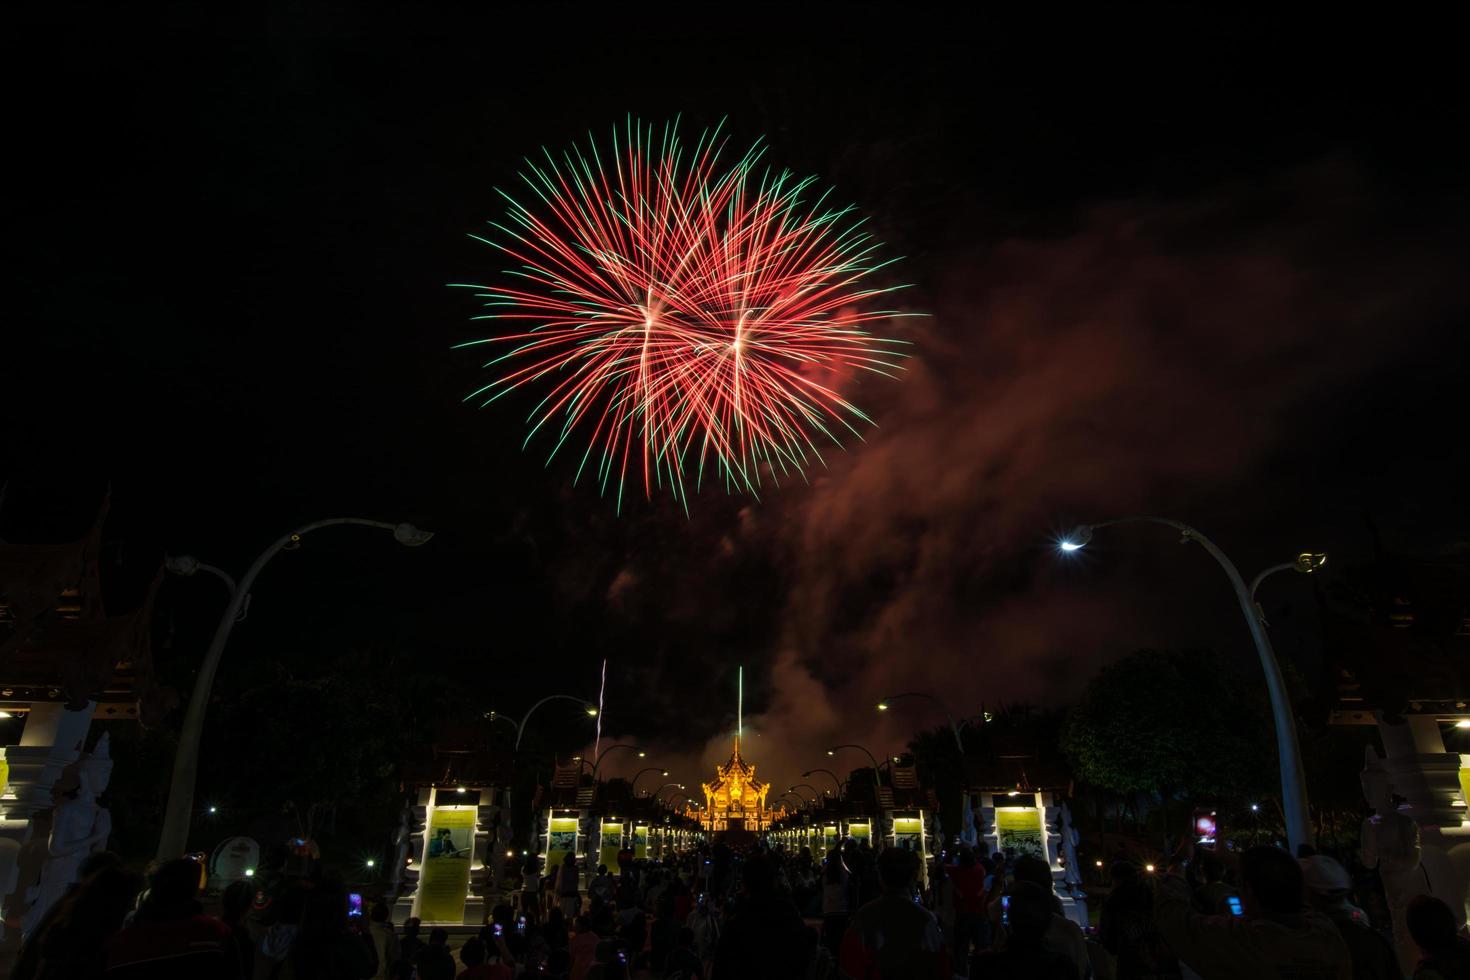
(1205,827)
(499,930)
(1005,910)
(1234,904)
(354,904)
(521,926)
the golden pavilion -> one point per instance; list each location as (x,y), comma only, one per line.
(736,800)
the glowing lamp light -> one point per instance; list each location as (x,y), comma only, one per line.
(6,714)
(1098,863)
(642,755)
(370,863)
(882,705)
(459,789)
(213,809)
(1463,723)
(1149,868)
(1255,807)
(591,711)
(665,772)
(1077,540)
(510,854)
(830,752)
(250,872)
(1014,792)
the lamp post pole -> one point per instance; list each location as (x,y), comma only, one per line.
(954,726)
(1294,803)
(877,773)
(633,786)
(830,775)
(179,808)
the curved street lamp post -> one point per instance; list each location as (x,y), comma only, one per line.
(174,837)
(1293,781)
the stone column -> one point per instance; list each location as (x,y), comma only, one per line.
(1416,767)
(408,880)
(51,740)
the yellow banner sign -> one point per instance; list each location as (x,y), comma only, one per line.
(444,879)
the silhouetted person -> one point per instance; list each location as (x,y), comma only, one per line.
(385,941)
(409,948)
(481,963)
(1126,928)
(235,906)
(326,946)
(766,936)
(967,888)
(434,961)
(892,937)
(1278,936)
(71,940)
(170,936)
(1444,953)
(1328,886)
(1024,956)
(28,961)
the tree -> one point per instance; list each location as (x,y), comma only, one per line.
(1171,723)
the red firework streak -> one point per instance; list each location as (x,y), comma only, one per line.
(683,314)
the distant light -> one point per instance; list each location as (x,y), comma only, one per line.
(250,872)
(510,854)
(576,758)
(665,772)
(830,752)
(882,705)
(1069,546)
(1098,863)
(370,863)
(591,711)
(213,809)
(1463,723)
(6,714)
(1149,868)
(459,789)
(1255,807)
(642,755)
(1014,792)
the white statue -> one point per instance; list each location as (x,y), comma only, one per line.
(79,827)
(1073,870)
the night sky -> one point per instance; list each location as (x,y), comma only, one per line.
(1211,270)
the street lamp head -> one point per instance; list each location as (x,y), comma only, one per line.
(882,705)
(831,752)
(664,773)
(1309,561)
(642,755)
(1079,538)
(181,564)
(591,711)
(410,536)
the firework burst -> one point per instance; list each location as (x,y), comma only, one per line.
(682,318)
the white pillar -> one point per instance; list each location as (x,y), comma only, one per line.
(51,740)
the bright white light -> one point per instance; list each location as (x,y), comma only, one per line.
(250,872)
(370,862)
(6,714)
(214,809)
(459,789)
(1069,545)
(1149,868)
(1463,723)
(1255,807)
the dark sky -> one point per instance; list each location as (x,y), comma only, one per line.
(1210,269)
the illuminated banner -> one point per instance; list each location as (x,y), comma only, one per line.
(640,842)
(561,840)
(1019,830)
(612,842)
(908,834)
(444,880)
(860,831)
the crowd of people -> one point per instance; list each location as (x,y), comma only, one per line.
(713,913)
